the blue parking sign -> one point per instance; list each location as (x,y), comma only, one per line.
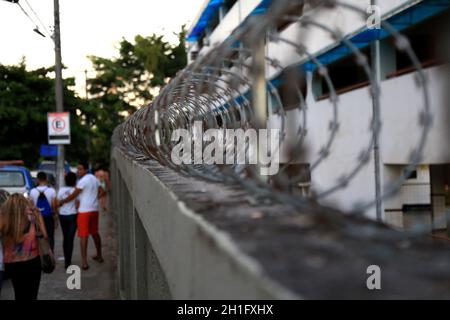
(49,150)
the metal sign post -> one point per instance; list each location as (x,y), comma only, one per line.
(59,92)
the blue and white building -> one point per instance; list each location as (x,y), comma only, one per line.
(425,194)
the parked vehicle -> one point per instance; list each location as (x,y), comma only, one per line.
(49,167)
(15,179)
(51,179)
(34,176)
(50,176)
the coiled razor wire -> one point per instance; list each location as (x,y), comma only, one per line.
(217,88)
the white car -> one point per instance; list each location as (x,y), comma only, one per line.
(16,179)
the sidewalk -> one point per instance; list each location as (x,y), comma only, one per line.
(99,282)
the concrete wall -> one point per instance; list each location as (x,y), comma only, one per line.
(215,244)
(401,103)
(353,136)
(167,251)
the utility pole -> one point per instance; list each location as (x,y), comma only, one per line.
(259,95)
(86,84)
(376,68)
(88,120)
(58,91)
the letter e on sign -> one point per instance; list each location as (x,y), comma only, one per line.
(58,124)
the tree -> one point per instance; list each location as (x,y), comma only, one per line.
(25,99)
(120,86)
(123,84)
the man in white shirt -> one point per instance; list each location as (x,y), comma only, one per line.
(88,191)
(44,198)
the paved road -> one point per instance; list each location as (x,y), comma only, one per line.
(99,282)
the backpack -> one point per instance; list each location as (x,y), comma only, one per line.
(43,204)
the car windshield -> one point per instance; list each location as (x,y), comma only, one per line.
(47,167)
(12,179)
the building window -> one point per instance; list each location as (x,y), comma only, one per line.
(227,5)
(412,175)
(202,41)
(345,74)
(214,22)
(194,55)
(426,39)
(292,88)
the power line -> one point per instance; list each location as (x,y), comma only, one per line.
(23,10)
(36,29)
(40,21)
(30,18)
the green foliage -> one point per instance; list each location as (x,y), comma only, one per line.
(124,83)
(121,85)
(25,99)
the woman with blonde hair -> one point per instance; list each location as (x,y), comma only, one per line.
(18,221)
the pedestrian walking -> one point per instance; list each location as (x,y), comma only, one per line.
(68,216)
(103,178)
(88,191)
(44,198)
(18,220)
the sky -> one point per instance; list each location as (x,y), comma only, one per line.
(88,27)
